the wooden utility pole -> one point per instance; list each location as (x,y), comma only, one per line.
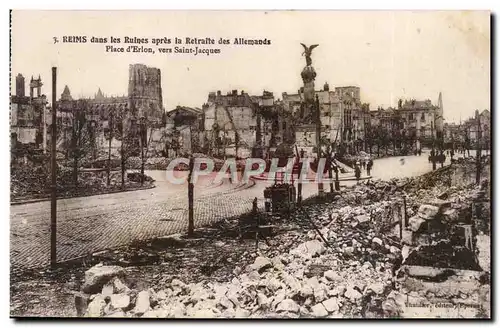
(142,141)
(191,198)
(225,142)
(433,152)
(299,180)
(258,132)
(53,203)
(401,221)
(318,145)
(330,163)
(405,213)
(478,152)
(122,155)
(337,182)
(452,152)
(110,126)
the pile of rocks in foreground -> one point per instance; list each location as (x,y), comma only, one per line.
(349,277)
(308,281)
(353,276)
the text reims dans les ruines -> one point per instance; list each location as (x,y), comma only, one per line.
(164,45)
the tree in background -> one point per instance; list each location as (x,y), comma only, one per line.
(124,147)
(381,138)
(171,142)
(467,143)
(369,138)
(81,136)
(144,143)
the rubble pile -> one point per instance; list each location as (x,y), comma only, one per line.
(161,163)
(350,276)
(151,163)
(134,162)
(35,179)
(32,182)
(288,285)
(436,234)
(356,266)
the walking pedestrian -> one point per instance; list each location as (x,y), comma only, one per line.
(442,158)
(357,171)
(369,167)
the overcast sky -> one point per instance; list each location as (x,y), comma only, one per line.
(387,54)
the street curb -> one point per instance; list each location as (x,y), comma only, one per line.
(30,201)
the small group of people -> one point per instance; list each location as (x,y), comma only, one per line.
(437,157)
(364,164)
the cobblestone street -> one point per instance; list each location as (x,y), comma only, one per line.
(90,224)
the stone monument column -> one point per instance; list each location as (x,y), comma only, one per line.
(308,76)
(310,122)
(305,133)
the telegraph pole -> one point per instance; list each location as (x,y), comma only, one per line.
(53,202)
(299,178)
(478,152)
(110,127)
(318,146)
(142,142)
(433,152)
(191,198)
(44,120)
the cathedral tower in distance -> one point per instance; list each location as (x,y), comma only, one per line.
(145,93)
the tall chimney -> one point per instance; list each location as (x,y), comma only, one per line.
(20,86)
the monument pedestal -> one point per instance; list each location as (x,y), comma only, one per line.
(305,137)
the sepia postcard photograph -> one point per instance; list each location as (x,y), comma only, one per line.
(232,164)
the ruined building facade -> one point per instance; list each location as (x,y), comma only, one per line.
(421,121)
(28,128)
(118,117)
(145,94)
(344,118)
(238,123)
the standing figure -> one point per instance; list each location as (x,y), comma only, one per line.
(369,167)
(357,171)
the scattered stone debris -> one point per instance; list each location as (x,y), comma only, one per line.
(365,270)
(97,276)
(354,275)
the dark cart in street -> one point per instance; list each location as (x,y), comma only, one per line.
(280,198)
